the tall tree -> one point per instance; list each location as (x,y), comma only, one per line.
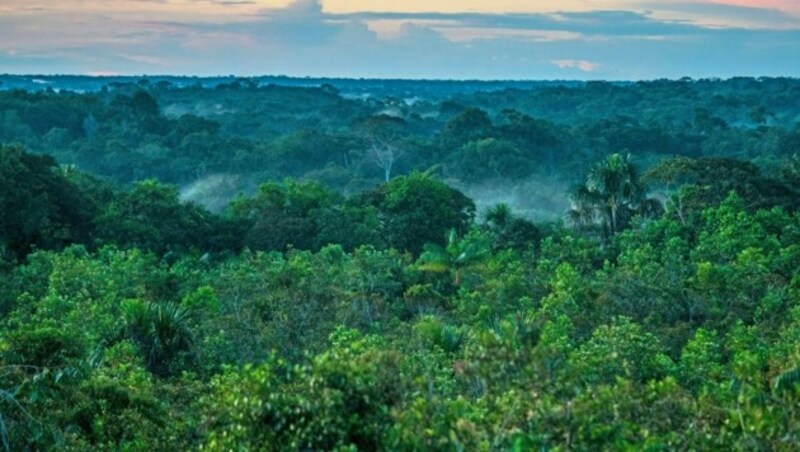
(611,196)
(419,209)
(383,138)
(39,206)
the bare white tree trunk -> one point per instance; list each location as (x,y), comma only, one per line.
(385,154)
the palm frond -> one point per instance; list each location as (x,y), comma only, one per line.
(161,330)
(651,208)
(580,216)
(499,215)
(788,380)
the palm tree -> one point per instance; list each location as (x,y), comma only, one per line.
(499,216)
(611,196)
(162,332)
(456,256)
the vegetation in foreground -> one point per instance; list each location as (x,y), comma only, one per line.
(400,316)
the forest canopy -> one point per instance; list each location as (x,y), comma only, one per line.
(247,266)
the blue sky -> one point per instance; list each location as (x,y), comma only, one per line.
(505,39)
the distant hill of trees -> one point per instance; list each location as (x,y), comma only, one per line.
(350,135)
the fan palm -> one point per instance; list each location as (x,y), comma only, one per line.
(611,196)
(499,216)
(162,332)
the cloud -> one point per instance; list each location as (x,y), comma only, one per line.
(791,6)
(583,65)
(465,34)
(300,9)
(234,2)
(727,15)
(302,23)
(650,40)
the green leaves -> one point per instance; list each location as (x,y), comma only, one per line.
(390,321)
(620,349)
(611,195)
(341,399)
(787,380)
(459,255)
(418,209)
(162,331)
(40,208)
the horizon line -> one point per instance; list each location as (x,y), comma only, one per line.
(420,79)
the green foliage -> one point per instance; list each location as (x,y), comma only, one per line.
(788,380)
(447,337)
(611,196)
(459,255)
(40,207)
(510,231)
(705,182)
(701,360)
(162,333)
(418,209)
(490,158)
(619,350)
(303,215)
(469,125)
(340,400)
(151,217)
(303,319)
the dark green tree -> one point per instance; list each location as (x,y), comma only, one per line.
(39,206)
(419,209)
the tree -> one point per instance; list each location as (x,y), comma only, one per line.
(537,138)
(303,150)
(341,400)
(162,333)
(39,206)
(287,214)
(611,196)
(456,256)
(471,124)
(151,216)
(490,158)
(509,231)
(498,216)
(418,209)
(705,182)
(383,137)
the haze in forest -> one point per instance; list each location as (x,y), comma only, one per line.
(399,225)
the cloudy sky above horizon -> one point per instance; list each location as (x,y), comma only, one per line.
(505,39)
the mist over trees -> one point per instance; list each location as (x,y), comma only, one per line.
(186,131)
(230,264)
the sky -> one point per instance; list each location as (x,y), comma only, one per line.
(440,39)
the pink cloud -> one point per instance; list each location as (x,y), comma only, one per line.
(792,6)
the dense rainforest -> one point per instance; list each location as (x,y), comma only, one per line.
(241,265)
